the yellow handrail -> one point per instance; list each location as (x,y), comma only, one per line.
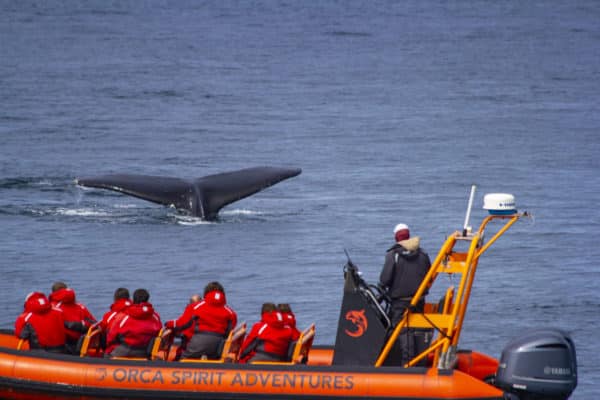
(449,320)
(427,281)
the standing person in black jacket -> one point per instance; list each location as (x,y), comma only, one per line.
(406,265)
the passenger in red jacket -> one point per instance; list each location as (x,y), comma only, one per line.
(185,334)
(289,318)
(189,332)
(77,317)
(117,309)
(41,324)
(132,335)
(205,324)
(247,350)
(269,339)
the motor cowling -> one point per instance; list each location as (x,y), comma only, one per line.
(538,365)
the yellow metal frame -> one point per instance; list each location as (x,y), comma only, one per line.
(449,319)
(92,335)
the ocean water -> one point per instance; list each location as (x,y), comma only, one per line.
(392,110)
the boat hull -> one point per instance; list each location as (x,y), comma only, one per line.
(58,375)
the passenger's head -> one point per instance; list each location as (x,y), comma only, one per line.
(212,286)
(58,285)
(195,298)
(37,302)
(121,293)
(268,307)
(140,296)
(287,313)
(284,308)
(272,316)
(401,232)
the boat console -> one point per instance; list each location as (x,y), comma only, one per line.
(363,323)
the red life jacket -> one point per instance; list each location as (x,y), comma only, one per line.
(40,323)
(276,336)
(184,324)
(271,336)
(77,317)
(116,309)
(290,319)
(211,314)
(136,329)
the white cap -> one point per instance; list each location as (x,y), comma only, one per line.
(400,227)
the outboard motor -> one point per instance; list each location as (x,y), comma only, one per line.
(539,365)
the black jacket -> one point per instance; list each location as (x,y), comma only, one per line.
(406,264)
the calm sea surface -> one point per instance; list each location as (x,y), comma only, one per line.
(391,109)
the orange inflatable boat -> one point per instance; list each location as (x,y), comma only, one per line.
(363,363)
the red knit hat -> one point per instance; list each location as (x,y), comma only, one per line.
(401,232)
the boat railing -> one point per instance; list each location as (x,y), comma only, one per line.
(447,321)
(382,313)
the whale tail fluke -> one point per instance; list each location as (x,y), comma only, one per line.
(202,197)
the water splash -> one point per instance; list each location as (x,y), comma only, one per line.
(242,211)
(81,212)
(188,220)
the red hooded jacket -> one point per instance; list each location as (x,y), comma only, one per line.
(136,329)
(211,314)
(40,323)
(290,319)
(117,310)
(77,317)
(271,335)
(188,330)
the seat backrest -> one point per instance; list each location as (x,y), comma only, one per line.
(23,344)
(90,344)
(303,345)
(233,343)
(161,344)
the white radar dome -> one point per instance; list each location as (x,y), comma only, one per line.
(499,203)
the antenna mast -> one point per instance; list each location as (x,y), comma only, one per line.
(468,216)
